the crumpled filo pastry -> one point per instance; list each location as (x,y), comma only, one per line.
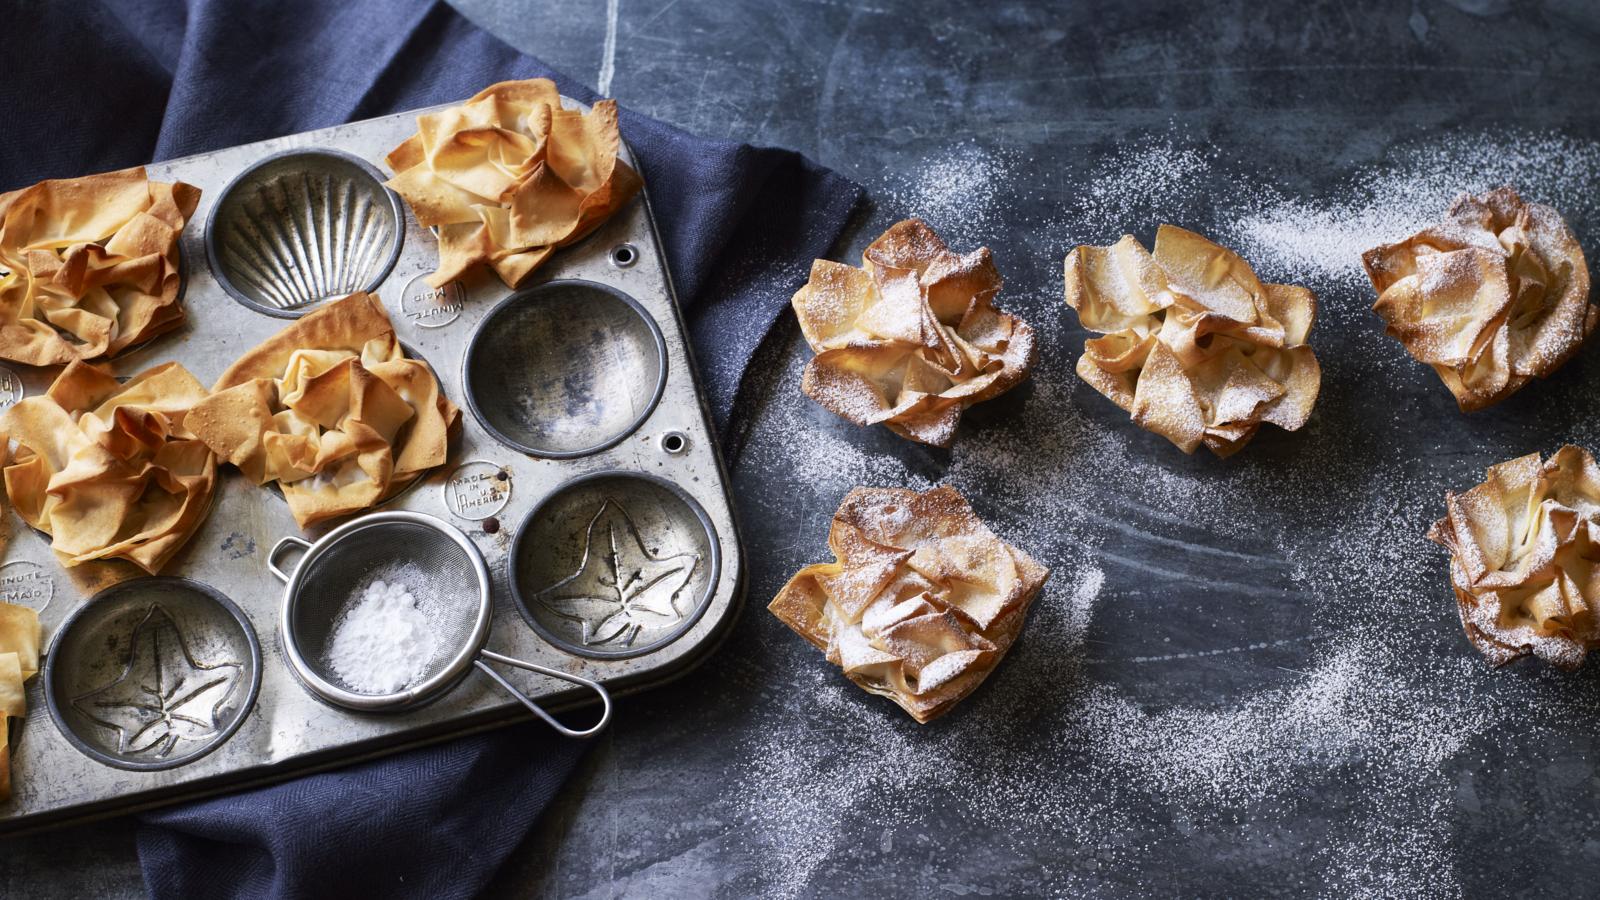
(912,338)
(921,601)
(1495,295)
(19,661)
(112,470)
(509,176)
(1193,344)
(330,409)
(1523,546)
(89,266)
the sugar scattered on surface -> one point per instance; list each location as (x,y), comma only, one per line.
(958,193)
(1367,690)
(1143,175)
(1325,238)
(1319,239)
(381,642)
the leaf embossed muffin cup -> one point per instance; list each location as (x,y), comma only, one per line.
(152,673)
(614,565)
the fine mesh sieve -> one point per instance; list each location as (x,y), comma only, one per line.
(444,573)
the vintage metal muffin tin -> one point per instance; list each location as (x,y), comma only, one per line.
(585,471)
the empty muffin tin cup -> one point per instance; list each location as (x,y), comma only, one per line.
(445,574)
(152,673)
(301,227)
(565,369)
(614,565)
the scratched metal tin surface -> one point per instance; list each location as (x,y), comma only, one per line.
(287,731)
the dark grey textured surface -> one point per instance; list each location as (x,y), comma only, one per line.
(1268,692)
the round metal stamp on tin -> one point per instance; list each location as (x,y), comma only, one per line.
(11,389)
(477,489)
(426,306)
(26,583)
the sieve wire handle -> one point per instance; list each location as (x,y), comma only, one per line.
(277,553)
(597,687)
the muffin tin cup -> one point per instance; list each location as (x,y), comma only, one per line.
(565,369)
(301,227)
(614,565)
(152,673)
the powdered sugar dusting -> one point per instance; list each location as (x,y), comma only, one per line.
(1325,238)
(1319,240)
(959,192)
(1120,715)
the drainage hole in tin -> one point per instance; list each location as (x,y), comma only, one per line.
(624,255)
(674,443)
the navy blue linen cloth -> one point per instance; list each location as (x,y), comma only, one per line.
(92,86)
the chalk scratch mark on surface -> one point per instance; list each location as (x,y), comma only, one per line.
(1299,68)
(651,21)
(1228,651)
(608,53)
(1202,654)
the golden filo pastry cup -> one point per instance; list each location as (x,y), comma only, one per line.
(20,636)
(1522,549)
(1492,297)
(1192,344)
(111,470)
(912,338)
(89,266)
(331,409)
(921,601)
(510,176)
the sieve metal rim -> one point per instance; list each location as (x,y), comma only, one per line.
(419,692)
(524,295)
(210,240)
